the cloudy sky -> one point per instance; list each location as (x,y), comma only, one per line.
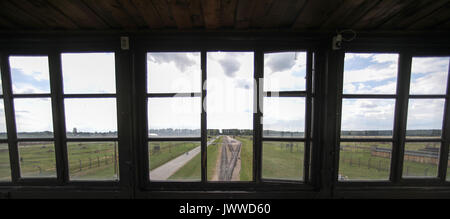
(230,91)
(367,73)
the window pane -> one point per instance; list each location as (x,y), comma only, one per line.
(37,159)
(34,117)
(174,117)
(285,71)
(429,75)
(92,117)
(5,169)
(421,159)
(367,118)
(3,133)
(173,72)
(364,160)
(370,73)
(284,117)
(93,160)
(425,117)
(29,74)
(174,161)
(88,73)
(230,114)
(283,160)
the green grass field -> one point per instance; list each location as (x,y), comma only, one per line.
(192,169)
(357,163)
(93,160)
(283,161)
(96,161)
(167,151)
(5,169)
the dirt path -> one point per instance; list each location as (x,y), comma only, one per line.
(166,170)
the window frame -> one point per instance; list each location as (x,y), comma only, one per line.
(399,138)
(257,183)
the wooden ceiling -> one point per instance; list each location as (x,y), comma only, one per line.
(320,15)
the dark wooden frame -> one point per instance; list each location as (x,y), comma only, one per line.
(326,66)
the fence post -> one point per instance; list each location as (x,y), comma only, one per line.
(426,172)
(90,163)
(98,162)
(80,165)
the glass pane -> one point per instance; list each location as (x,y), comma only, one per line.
(285,71)
(92,117)
(421,159)
(88,73)
(5,169)
(284,117)
(29,74)
(283,160)
(425,118)
(370,73)
(363,118)
(34,117)
(174,161)
(429,75)
(364,160)
(230,114)
(37,159)
(93,160)
(174,117)
(173,72)
(3,133)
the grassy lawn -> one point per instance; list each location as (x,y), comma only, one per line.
(192,169)
(167,151)
(93,160)
(5,170)
(246,173)
(281,161)
(37,159)
(357,163)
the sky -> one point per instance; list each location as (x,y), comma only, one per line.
(368,73)
(230,88)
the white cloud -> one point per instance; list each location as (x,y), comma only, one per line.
(425,114)
(91,114)
(166,75)
(284,114)
(33,114)
(34,66)
(176,113)
(285,71)
(431,75)
(367,114)
(88,72)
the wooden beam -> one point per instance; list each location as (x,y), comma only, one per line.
(379,14)
(180,12)
(211,12)
(314,13)
(45,12)
(24,19)
(162,8)
(112,12)
(148,12)
(412,13)
(347,13)
(228,12)
(78,12)
(244,13)
(435,19)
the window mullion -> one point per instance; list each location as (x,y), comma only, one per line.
(401,111)
(257,114)
(445,145)
(59,126)
(10,118)
(203,127)
(308,112)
